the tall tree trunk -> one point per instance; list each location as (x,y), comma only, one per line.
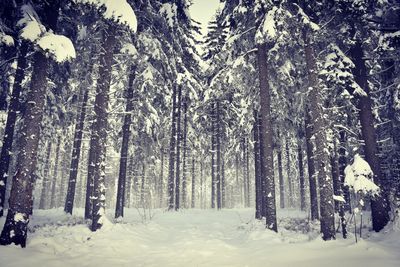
(45,179)
(172,152)
(129,182)
(202,193)
(335,174)
(193,184)
(213,159)
(53,201)
(184,150)
(178,149)
(8,138)
(281,182)
(379,204)
(312,176)
(342,165)
(142,186)
(223,193)
(290,181)
(76,153)
(21,201)
(100,125)
(161,188)
(321,157)
(263,178)
(89,179)
(218,141)
(301,177)
(257,172)
(126,133)
(267,133)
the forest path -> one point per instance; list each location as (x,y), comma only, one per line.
(194,238)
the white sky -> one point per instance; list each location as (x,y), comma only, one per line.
(203,10)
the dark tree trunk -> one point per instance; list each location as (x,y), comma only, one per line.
(342,165)
(76,153)
(263,178)
(178,149)
(319,134)
(89,180)
(281,182)
(129,182)
(238,187)
(301,177)
(223,182)
(267,133)
(126,133)
(21,201)
(218,141)
(184,150)
(142,186)
(257,172)
(193,185)
(172,152)
(379,204)
(335,174)
(45,183)
(202,200)
(311,168)
(161,188)
(99,129)
(6,149)
(53,203)
(290,181)
(213,159)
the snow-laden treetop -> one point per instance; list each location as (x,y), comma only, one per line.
(116,10)
(58,47)
(358,176)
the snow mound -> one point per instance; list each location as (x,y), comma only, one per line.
(359,177)
(59,47)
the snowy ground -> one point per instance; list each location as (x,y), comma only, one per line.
(194,238)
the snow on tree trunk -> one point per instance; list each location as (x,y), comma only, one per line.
(178,149)
(99,133)
(281,183)
(321,147)
(301,177)
(6,148)
(184,150)
(172,151)
(126,132)
(257,173)
(311,167)
(21,200)
(267,144)
(218,143)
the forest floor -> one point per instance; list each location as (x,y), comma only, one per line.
(195,238)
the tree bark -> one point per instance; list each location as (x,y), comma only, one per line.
(8,138)
(126,133)
(301,177)
(76,153)
(172,152)
(178,149)
(290,181)
(45,183)
(21,201)
(281,182)
(99,132)
(184,150)
(379,204)
(53,202)
(161,188)
(213,159)
(193,184)
(257,167)
(321,157)
(267,144)
(218,141)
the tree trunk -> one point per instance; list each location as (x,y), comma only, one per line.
(379,205)
(45,184)
(263,179)
(281,183)
(53,203)
(335,174)
(76,153)
(178,149)
(142,187)
(184,149)
(222,182)
(8,138)
(193,185)
(311,168)
(301,177)
(342,165)
(290,181)
(218,141)
(257,174)
(99,132)
(89,179)
(321,147)
(126,133)
(21,201)
(129,183)
(267,144)
(172,152)
(213,160)
(161,188)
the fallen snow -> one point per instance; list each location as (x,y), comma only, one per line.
(359,177)
(59,47)
(194,238)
